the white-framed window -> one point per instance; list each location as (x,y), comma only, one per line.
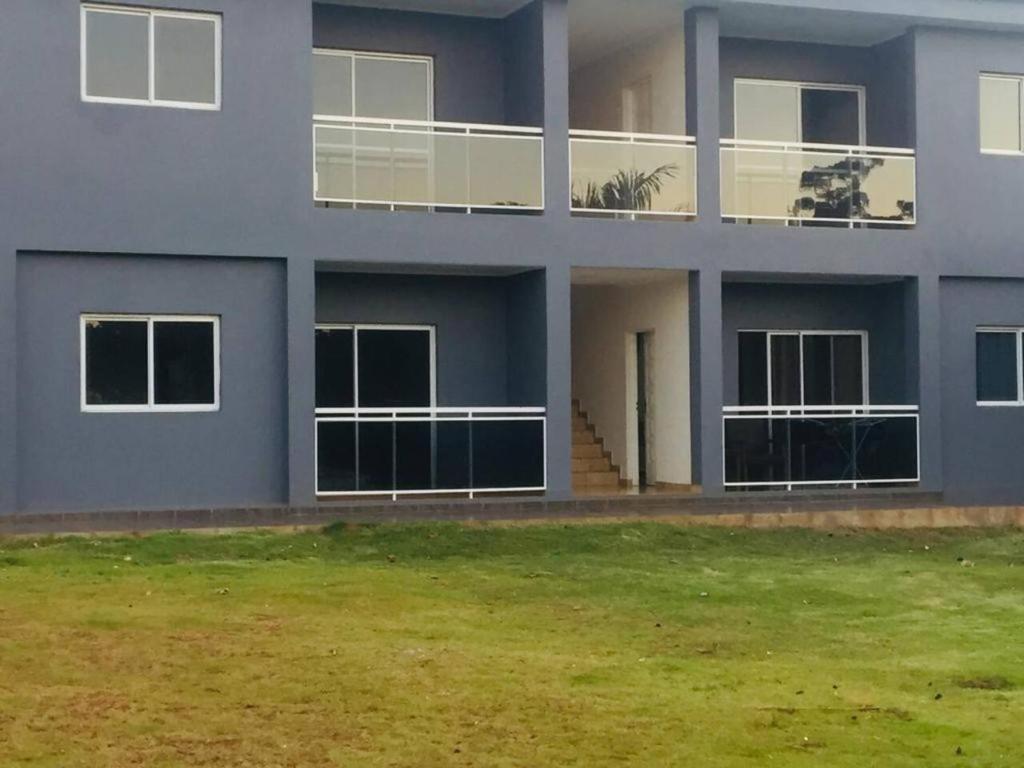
(798,112)
(999,366)
(803,368)
(136,363)
(133,55)
(375,366)
(372,85)
(1000,115)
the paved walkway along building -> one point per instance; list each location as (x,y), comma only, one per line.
(290,253)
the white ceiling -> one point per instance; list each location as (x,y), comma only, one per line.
(617,276)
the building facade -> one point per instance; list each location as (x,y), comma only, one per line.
(283,252)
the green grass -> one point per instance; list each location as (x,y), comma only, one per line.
(443,645)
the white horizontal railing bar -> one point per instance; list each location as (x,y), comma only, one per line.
(627,135)
(431,492)
(625,212)
(331,121)
(818,483)
(840,409)
(459,206)
(425,411)
(799,146)
(813,220)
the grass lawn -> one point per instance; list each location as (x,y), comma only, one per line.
(587,645)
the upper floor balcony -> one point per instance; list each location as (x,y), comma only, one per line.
(422,111)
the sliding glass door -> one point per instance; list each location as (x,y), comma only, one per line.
(768,110)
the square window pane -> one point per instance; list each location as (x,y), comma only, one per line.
(830,116)
(394,369)
(332,84)
(116,55)
(996,363)
(183,363)
(393,88)
(767,112)
(185,58)
(116,365)
(1000,113)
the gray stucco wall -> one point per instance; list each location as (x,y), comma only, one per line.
(74,460)
(982,460)
(475,351)
(877,309)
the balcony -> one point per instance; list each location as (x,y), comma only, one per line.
(412,164)
(430,451)
(781,447)
(633,175)
(817,184)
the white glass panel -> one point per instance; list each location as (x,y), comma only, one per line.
(773,183)
(767,112)
(667,172)
(374,166)
(412,166)
(451,169)
(1000,113)
(886,187)
(117,55)
(392,88)
(505,171)
(185,56)
(595,166)
(332,84)
(334,163)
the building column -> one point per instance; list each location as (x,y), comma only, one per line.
(8,383)
(301,321)
(925,375)
(556,108)
(706,381)
(700,27)
(559,381)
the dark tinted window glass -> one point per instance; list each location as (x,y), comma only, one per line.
(997,367)
(116,362)
(336,456)
(753,353)
(817,370)
(183,363)
(394,369)
(830,117)
(334,368)
(847,370)
(785,352)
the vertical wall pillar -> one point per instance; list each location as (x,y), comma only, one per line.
(559,381)
(8,383)
(706,381)
(556,107)
(700,27)
(301,321)
(925,374)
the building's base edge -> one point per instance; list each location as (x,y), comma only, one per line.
(870,510)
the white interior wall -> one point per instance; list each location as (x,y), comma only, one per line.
(595,89)
(605,319)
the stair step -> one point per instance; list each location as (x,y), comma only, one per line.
(595,479)
(591,465)
(587,451)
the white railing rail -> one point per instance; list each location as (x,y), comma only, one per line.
(768,181)
(779,418)
(434,416)
(396,163)
(595,157)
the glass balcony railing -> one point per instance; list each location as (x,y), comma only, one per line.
(397,164)
(852,446)
(430,451)
(817,184)
(633,175)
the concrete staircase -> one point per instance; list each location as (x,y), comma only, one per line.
(592,468)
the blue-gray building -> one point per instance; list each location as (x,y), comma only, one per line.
(287,253)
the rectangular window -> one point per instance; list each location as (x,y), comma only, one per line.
(150,363)
(999,113)
(143,56)
(792,112)
(374,85)
(998,366)
(803,368)
(375,366)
